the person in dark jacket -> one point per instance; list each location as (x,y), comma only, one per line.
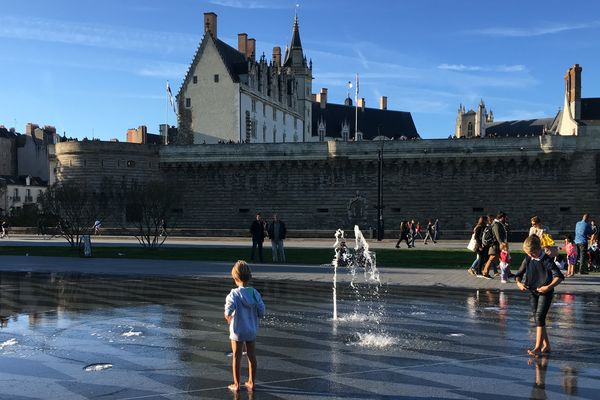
(499,236)
(539,275)
(404,231)
(257,230)
(481,258)
(277,232)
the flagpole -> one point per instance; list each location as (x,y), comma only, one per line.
(356,111)
(166,133)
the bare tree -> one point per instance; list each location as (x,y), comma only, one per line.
(148,211)
(74,208)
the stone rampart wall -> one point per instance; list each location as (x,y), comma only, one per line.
(314,185)
(90,162)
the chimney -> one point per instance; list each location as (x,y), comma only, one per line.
(361,103)
(251,49)
(243,43)
(30,128)
(322,98)
(210,23)
(277,56)
(573,81)
(383,103)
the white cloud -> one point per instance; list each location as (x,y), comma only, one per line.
(537,31)
(94,35)
(164,70)
(512,115)
(276,4)
(483,68)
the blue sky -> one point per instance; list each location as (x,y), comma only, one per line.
(97,68)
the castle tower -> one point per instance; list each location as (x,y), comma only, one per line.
(480,119)
(458,128)
(300,88)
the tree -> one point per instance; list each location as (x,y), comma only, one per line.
(75,208)
(148,211)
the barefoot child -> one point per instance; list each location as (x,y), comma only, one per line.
(539,275)
(571,250)
(243,308)
(504,262)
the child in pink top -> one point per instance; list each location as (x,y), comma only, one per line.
(504,262)
(571,250)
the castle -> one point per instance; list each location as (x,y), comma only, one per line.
(310,180)
(228,95)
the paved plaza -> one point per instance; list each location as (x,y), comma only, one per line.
(425,333)
(165,338)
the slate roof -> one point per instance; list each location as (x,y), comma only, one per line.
(516,128)
(372,122)
(235,61)
(5,133)
(590,109)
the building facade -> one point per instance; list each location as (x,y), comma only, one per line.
(8,151)
(17,193)
(229,96)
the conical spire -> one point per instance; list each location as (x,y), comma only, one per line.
(294,55)
(296,43)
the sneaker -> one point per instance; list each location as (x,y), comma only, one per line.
(486,277)
(503,281)
(497,273)
(471,271)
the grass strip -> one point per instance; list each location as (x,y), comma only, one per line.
(441,259)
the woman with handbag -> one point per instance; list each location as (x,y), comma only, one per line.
(477,246)
(543,232)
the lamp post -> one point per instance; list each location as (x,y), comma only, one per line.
(380,189)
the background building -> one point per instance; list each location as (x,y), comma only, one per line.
(8,151)
(337,121)
(578,116)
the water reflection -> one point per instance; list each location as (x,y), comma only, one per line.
(569,379)
(182,343)
(538,391)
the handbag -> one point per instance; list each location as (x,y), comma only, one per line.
(472,243)
(546,240)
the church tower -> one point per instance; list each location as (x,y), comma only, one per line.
(300,87)
(480,119)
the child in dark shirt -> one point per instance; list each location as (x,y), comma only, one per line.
(539,275)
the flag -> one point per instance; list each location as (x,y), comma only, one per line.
(170,97)
(357,87)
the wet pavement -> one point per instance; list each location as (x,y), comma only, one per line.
(165,338)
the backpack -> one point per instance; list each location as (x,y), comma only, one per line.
(487,237)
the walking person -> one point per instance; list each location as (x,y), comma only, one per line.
(243,308)
(277,232)
(97,226)
(257,230)
(539,275)
(429,233)
(480,259)
(403,234)
(3,229)
(412,232)
(492,237)
(583,231)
